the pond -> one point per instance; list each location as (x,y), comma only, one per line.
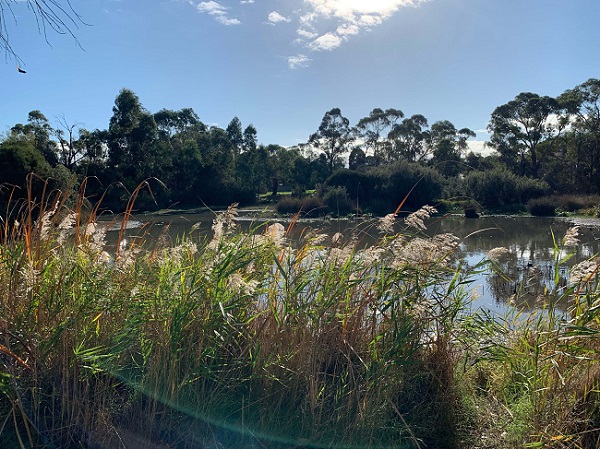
(530,267)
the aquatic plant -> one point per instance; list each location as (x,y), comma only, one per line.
(248,339)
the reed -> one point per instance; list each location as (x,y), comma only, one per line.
(246,339)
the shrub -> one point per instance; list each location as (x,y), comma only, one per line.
(336,199)
(573,203)
(289,205)
(500,187)
(382,189)
(309,206)
(541,207)
(549,205)
(313,206)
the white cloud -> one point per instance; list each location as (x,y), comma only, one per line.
(344,18)
(227,21)
(246,2)
(275,17)
(306,33)
(350,9)
(369,20)
(212,8)
(327,41)
(479,147)
(218,10)
(298,61)
(347,29)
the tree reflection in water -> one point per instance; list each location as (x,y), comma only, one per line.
(528,274)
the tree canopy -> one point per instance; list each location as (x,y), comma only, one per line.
(546,144)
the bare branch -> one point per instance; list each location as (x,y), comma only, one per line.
(57,16)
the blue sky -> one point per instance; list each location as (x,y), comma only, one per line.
(281,64)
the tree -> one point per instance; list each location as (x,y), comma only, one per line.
(582,104)
(214,183)
(447,146)
(26,171)
(37,131)
(235,134)
(408,139)
(132,132)
(372,130)
(333,137)
(250,138)
(519,127)
(252,169)
(56,15)
(94,144)
(357,159)
(279,166)
(171,123)
(18,159)
(70,146)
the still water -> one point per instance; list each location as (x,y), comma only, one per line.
(529,270)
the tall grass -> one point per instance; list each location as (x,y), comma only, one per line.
(246,339)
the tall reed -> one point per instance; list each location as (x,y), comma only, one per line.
(246,338)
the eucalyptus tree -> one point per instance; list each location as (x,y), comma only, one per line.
(177,132)
(519,128)
(94,145)
(132,133)
(374,129)
(333,137)
(172,124)
(71,148)
(448,145)
(582,142)
(250,138)
(252,169)
(357,159)
(409,139)
(235,134)
(38,132)
(280,166)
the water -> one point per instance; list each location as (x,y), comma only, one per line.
(530,270)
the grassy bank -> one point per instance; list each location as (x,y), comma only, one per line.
(248,341)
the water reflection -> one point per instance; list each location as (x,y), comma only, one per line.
(529,269)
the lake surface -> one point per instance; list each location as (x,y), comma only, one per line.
(529,269)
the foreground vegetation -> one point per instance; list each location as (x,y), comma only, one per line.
(245,340)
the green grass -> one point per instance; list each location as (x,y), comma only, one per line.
(249,340)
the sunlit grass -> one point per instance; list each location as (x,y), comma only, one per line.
(249,339)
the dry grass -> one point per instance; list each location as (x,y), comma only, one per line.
(249,341)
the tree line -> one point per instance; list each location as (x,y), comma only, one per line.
(543,146)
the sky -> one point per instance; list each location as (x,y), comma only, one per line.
(281,64)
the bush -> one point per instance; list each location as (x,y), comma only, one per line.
(289,205)
(382,189)
(336,199)
(541,207)
(313,206)
(419,185)
(573,203)
(309,206)
(500,187)
(548,205)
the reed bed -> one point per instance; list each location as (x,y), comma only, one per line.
(248,340)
